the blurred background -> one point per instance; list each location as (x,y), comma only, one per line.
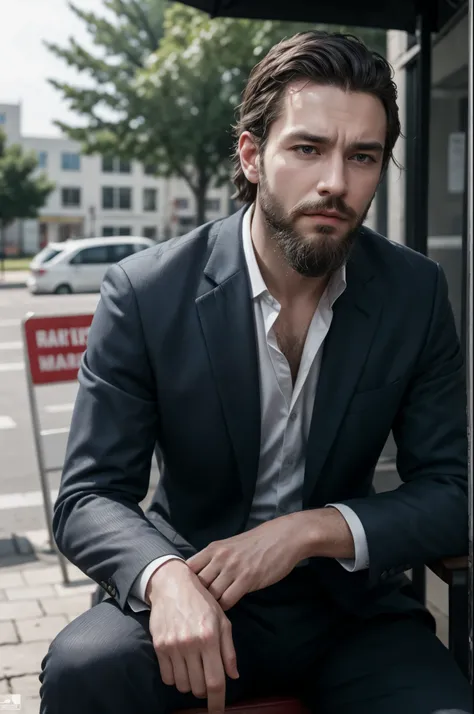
(116,125)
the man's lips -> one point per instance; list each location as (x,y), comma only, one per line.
(327,215)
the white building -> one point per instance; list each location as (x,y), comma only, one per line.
(96,196)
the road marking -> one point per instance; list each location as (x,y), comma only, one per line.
(11,345)
(10,323)
(52,432)
(6,422)
(28,499)
(59,408)
(11,366)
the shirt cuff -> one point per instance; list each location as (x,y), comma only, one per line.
(361,547)
(136,598)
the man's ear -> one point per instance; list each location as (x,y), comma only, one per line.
(249,157)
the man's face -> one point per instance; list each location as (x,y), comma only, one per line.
(319,172)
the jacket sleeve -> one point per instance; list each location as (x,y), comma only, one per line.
(426,518)
(98,523)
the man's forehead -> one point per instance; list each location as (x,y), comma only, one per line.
(317,103)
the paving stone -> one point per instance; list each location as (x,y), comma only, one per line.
(20,610)
(26,686)
(75,574)
(21,659)
(46,576)
(32,592)
(8,635)
(11,580)
(41,628)
(73,605)
(17,563)
(74,589)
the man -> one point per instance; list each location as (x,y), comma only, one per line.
(269,355)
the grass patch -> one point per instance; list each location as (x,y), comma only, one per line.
(16,263)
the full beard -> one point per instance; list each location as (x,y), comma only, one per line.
(320,254)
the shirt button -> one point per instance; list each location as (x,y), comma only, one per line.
(293,416)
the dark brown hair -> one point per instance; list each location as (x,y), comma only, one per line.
(334,59)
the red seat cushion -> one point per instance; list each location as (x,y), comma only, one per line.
(272,705)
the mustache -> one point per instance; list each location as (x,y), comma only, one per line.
(325,204)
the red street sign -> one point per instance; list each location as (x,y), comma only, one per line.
(55,346)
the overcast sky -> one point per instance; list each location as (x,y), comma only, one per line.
(25,63)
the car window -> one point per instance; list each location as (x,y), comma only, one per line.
(47,254)
(97,255)
(121,251)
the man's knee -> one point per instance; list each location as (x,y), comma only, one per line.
(90,650)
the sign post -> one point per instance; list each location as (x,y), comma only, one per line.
(53,348)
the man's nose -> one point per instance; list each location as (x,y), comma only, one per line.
(332,180)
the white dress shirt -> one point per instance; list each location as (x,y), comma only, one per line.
(286,412)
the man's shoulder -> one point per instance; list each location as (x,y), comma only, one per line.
(173,255)
(396,259)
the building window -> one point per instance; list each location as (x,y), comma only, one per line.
(116,197)
(42,159)
(181,203)
(150,232)
(109,231)
(149,199)
(213,204)
(3,118)
(70,197)
(112,165)
(70,162)
(150,169)
(185,224)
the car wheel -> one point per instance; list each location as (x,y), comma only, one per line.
(63,289)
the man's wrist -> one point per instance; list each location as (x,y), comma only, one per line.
(323,533)
(153,585)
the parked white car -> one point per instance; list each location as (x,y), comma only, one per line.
(77,266)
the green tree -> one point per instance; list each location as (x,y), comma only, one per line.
(22,193)
(175,106)
(125,37)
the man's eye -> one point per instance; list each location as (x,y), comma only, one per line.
(305,150)
(364,158)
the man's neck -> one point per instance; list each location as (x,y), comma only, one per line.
(285,284)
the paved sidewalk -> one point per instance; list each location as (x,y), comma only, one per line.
(35,606)
(13,279)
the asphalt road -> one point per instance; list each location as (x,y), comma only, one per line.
(21,504)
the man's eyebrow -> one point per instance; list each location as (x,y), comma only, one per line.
(325,140)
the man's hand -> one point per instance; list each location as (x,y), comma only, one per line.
(249,561)
(191,635)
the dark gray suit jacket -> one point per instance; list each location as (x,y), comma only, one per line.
(172,360)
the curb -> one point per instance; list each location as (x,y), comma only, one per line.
(6,286)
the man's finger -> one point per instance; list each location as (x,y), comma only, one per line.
(210,573)
(218,586)
(228,654)
(232,595)
(199,561)
(196,674)
(166,669)
(180,670)
(214,676)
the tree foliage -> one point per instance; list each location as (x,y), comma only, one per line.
(175,102)
(22,191)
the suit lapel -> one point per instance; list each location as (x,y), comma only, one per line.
(227,320)
(355,319)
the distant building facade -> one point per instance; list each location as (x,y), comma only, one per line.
(101,196)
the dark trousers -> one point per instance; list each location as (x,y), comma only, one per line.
(288,641)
